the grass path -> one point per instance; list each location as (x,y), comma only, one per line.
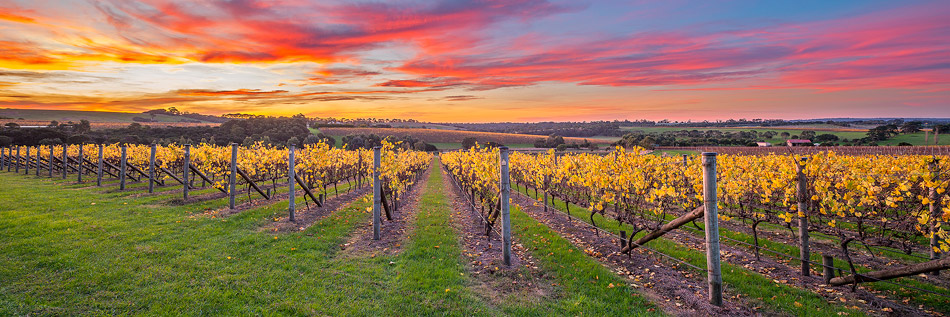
(68,250)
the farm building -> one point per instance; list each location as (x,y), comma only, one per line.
(763,144)
(798,142)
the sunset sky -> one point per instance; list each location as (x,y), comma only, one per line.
(465,61)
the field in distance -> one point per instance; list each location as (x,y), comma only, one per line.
(452,139)
(93,116)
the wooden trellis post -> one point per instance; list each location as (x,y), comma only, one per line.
(186,171)
(79,167)
(377,193)
(232,181)
(935,212)
(151,168)
(65,161)
(26,166)
(803,218)
(38,150)
(829,270)
(505,206)
(50,163)
(710,201)
(122,167)
(290,182)
(17,170)
(99,167)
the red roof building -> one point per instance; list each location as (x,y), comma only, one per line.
(798,142)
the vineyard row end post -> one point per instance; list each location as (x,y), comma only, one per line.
(17,159)
(99,167)
(151,168)
(26,166)
(122,167)
(505,206)
(232,182)
(377,194)
(805,253)
(3,157)
(290,182)
(713,270)
(186,171)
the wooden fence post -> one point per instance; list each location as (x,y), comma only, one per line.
(122,167)
(290,182)
(186,171)
(685,160)
(936,211)
(79,167)
(38,150)
(65,161)
(151,168)
(17,159)
(505,206)
(3,157)
(803,218)
(714,275)
(99,168)
(377,193)
(232,182)
(829,268)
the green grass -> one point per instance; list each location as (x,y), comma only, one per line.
(773,297)
(915,139)
(67,249)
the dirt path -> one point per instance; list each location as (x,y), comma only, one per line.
(677,290)
(789,275)
(819,244)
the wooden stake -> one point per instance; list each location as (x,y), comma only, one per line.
(122,168)
(936,211)
(505,206)
(26,167)
(290,182)
(377,193)
(99,168)
(151,168)
(829,268)
(714,275)
(232,182)
(65,162)
(185,171)
(804,253)
(79,172)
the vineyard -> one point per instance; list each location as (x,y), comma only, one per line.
(894,206)
(817,233)
(227,169)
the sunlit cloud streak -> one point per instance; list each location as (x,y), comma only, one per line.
(452,51)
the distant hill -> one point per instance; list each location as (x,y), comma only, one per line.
(92,116)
